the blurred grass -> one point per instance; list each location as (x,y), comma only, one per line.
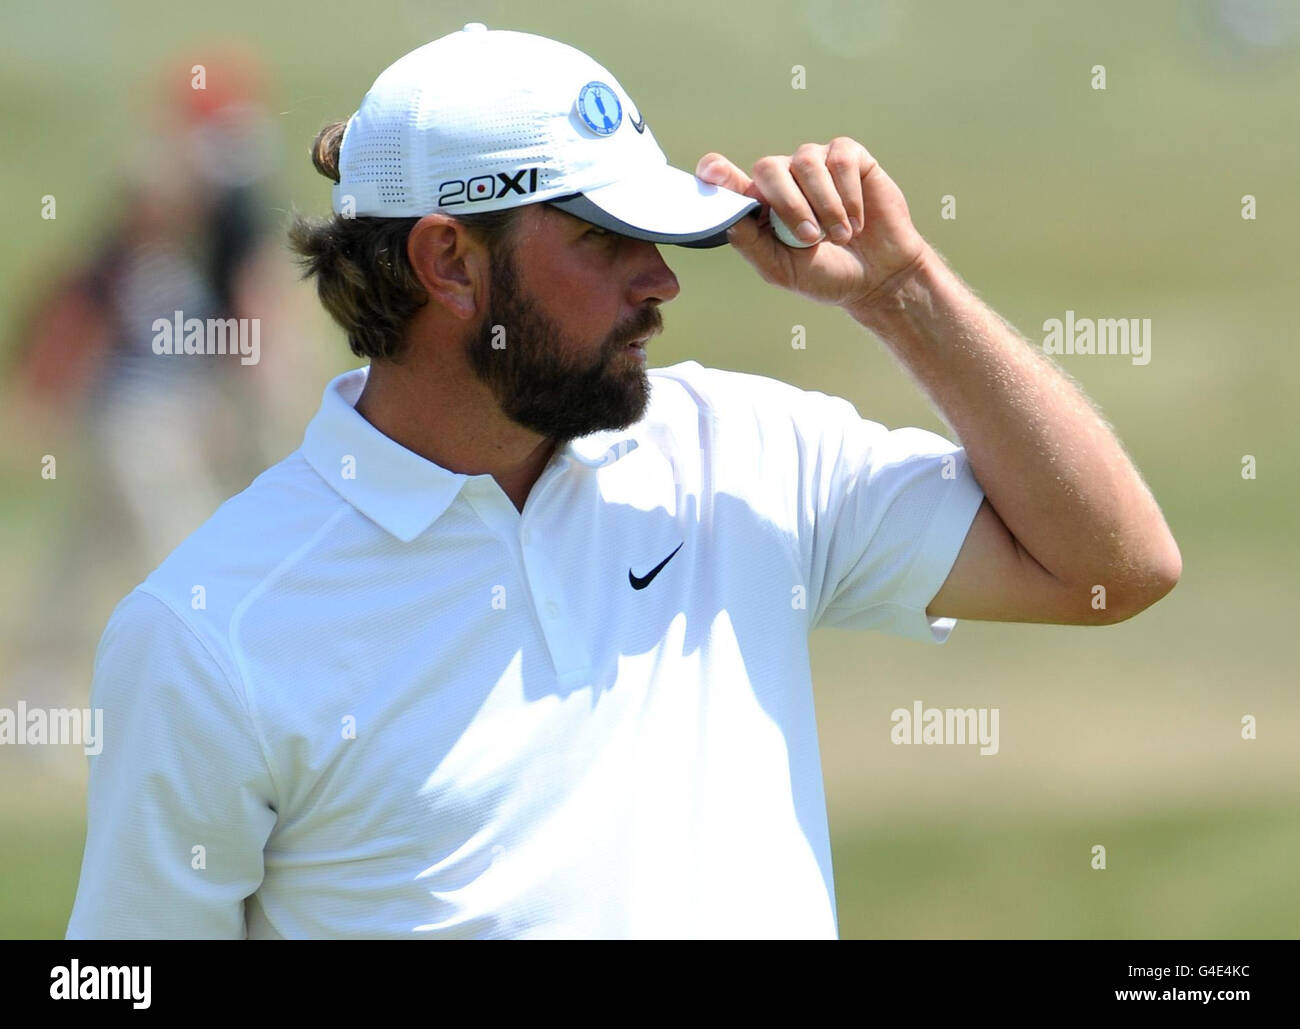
(1122,203)
(40,855)
(1178,873)
(1213,872)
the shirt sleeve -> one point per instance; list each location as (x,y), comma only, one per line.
(885,513)
(180,800)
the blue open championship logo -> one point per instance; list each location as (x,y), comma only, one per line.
(599,108)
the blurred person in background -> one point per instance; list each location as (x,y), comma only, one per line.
(162,438)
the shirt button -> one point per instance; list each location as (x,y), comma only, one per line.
(552,609)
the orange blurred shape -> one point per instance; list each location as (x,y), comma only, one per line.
(234,76)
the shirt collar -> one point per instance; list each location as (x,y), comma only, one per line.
(396,488)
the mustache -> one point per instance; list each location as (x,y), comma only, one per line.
(650,325)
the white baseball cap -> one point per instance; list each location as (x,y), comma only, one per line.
(483,120)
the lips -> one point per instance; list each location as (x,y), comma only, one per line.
(637,346)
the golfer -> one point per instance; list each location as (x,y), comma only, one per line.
(516,643)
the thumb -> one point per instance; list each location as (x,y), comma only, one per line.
(759,246)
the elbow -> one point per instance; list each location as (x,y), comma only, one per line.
(1154,581)
(1164,572)
(1152,590)
(1172,569)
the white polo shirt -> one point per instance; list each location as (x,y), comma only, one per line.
(370,698)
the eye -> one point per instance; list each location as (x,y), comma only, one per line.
(596,230)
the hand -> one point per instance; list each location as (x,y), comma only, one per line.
(836,184)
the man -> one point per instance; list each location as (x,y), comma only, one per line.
(187,233)
(515,645)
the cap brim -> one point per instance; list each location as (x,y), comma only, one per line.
(666,205)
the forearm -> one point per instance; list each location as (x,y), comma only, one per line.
(1048,463)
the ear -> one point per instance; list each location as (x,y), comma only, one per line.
(450,263)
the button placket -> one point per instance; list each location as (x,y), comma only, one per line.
(568,656)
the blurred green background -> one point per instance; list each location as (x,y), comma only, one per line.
(1117,203)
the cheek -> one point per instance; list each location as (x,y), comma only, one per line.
(578,297)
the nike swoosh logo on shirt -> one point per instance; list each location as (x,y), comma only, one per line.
(640,582)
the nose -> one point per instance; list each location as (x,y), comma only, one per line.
(652,281)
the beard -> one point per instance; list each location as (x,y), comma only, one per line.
(536,381)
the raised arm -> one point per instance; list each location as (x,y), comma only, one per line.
(1065,510)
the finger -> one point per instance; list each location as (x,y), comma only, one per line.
(760,248)
(775,181)
(809,168)
(718,171)
(849,163)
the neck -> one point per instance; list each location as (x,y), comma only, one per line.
(453,421)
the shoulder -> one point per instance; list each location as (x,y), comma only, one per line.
(224,563)
(749,401)
(759,423)
(720,387)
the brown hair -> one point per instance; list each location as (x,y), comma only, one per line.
(363,276)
